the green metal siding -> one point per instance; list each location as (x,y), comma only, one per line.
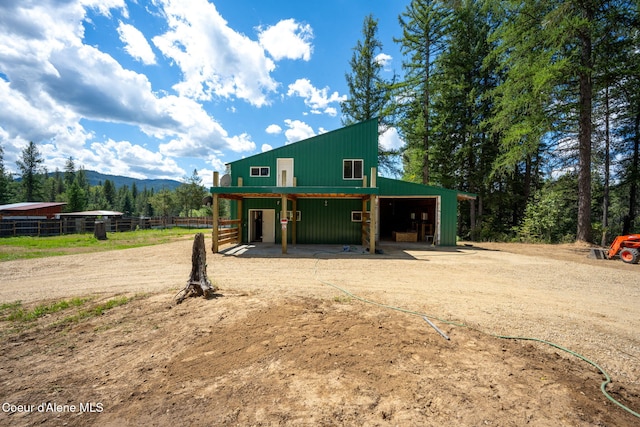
(328,224)
(318,223)
(449,220)
(448,203)
(318,160)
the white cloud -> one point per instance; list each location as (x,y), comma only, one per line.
(35,37)
(105,6)
(197,134)
(287,39)
(266,147)
(127,159)
(390,140)
(383,59)
(135,44)
(214,59)
(316,99)
(331,111)
(241,143)
(55,82)
(297,131)
(273,129)
(27,117)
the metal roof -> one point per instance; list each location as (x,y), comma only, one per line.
(395,187)
(27,206)
(93,213)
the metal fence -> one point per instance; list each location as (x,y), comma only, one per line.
(55,227)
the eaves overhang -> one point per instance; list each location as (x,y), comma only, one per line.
(293,192)
(462,195)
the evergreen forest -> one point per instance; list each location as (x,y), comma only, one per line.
(532,105)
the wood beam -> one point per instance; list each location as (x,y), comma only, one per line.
(364,223)
(373,213)
(372,225)
(283,214)
(294,220)
(214,211)
(239,206)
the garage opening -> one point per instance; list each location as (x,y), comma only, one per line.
(409,219)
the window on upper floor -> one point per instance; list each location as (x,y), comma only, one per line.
(260,171)
(352,169)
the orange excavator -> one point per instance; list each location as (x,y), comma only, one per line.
(626,247)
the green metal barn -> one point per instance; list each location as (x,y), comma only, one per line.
(326,189)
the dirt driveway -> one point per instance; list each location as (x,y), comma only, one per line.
(326,336)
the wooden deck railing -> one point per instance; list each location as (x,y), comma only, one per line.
(228,231)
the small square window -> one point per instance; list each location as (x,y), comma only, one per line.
(356,216)
(352,169)
(263,171)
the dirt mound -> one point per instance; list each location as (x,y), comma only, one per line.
(242,360)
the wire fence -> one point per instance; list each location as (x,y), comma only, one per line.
(55,227)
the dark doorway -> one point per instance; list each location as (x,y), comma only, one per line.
(256,229)
(408,215)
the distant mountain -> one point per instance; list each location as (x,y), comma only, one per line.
(97,178)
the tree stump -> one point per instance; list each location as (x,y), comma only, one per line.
(198,283)
(100,230)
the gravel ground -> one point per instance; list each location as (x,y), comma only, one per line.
(553,293)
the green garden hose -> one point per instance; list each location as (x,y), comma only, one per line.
(603,386)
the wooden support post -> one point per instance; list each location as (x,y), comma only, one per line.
(372,213)
(214,211)
(372,224)
(240,212)
(283,214)
(294,220)
(239,205)
(364,223)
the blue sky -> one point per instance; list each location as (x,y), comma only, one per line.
(156,89)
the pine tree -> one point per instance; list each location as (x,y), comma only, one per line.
(124,201)
(49,189)
(69,172)
(190,193)
(462,147)
(423,25)
(369,92)
(109,192)
(76,197)
(616,79)
(4,180)
(627,62)
(164,203)
(29,167)
(546,50)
